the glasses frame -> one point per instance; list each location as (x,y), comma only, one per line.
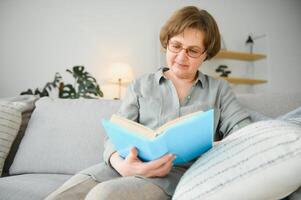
(186,50)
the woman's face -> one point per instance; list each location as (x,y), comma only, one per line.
(181,64)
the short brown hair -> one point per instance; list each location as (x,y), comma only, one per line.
(192,17)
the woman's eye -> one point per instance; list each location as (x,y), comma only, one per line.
(176,46)
(193,51)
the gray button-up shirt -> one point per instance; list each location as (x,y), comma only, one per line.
(152,100)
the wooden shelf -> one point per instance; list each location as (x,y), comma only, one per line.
(245,81)
(235,55)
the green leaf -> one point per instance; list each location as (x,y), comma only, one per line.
(85,86)
(68,92)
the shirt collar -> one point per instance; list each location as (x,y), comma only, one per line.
(159,76)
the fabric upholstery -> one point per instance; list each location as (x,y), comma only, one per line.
(296,195)
(294,115)
(260,161)
(28,102)
(63,136)
(77,187)
(12,125)
(271,104)
(10,121)
(30,186)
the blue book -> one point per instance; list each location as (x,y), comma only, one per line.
(187,137)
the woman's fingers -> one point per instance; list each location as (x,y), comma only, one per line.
(156,168)
(132,155)
(160,167)
(162,170)
(159,162)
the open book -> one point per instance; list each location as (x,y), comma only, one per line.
(187,137)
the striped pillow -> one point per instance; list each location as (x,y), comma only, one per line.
(259,161)
(10,121)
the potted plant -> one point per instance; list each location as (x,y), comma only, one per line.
(85,86)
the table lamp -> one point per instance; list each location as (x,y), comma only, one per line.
(120,73)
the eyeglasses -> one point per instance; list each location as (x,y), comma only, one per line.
(193,51)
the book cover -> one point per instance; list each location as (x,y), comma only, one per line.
(186,137)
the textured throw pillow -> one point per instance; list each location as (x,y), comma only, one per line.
(29,103)
(260,161)
(63,136)
(10,121)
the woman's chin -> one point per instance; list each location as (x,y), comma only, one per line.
(183,73)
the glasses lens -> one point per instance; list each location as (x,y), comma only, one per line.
(193,52)
(174,47)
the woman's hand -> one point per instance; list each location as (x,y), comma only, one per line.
(132,165)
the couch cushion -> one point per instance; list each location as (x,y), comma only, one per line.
(30,186)
(10,121)
(296,195)
(63,136)
(294,115)
(271,104)
(259,161)
(28,102)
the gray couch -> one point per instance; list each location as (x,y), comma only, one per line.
(64,137)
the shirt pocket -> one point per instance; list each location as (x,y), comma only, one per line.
(149,111)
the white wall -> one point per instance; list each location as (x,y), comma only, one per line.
(39,38)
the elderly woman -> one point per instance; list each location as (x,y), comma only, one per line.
(190,37)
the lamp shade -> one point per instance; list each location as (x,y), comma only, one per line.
(120,72)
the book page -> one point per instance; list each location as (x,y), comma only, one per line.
(168,124)
(135,127)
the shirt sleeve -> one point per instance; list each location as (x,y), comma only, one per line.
(232,115)
(128,109)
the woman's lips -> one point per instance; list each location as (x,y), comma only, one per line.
(182,65)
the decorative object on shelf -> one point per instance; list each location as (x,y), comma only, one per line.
(222,69)
(243,56)
(250,43)
(120,74)
(250,40)
(85,86)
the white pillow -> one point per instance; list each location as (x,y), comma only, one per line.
(260,161)
(63,136)
(10,121)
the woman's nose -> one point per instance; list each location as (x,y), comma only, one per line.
(182,55)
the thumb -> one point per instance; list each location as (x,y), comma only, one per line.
(133,154)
